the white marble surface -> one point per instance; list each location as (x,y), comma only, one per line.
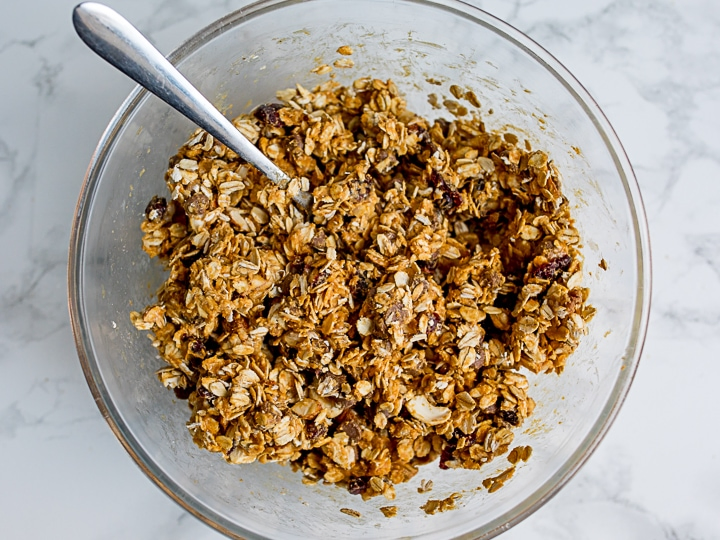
(653,66)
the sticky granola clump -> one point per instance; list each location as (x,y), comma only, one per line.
(390,328)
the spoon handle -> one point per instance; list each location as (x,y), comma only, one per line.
(118,42)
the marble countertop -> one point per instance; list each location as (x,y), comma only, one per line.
(654,68)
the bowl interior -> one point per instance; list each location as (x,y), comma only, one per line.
(241,62)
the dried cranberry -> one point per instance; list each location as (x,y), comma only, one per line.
(179,215)
(435,179)
(196,346)
(446,455)
(551,268)
(451,198)
(468,440)
(268,114)
(510,417)
(156,208)
(194,363)
(359,485)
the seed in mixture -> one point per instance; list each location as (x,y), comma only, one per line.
(390,328)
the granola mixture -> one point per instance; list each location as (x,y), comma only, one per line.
(390,327)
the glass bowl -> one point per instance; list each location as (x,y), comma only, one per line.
(241,61)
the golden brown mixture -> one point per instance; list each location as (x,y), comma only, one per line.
(390,327)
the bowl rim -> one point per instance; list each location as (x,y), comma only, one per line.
(631,358)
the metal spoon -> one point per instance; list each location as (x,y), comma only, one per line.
(118,42)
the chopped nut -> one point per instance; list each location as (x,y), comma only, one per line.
(364,326)
(421,409)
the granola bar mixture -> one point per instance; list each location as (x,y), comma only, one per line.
(390,327)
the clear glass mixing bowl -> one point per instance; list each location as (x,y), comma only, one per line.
(241,60)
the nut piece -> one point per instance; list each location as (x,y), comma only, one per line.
(364,326)
(421,409)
